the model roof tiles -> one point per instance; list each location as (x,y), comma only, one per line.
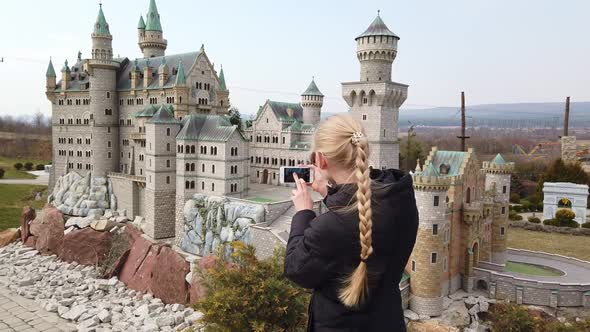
(312,90)
(141,24)
(153,18)
(377,28)
(101,27)
(177,77)
(164,115)
(50,70)
(202,127)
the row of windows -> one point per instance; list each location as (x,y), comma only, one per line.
(70,153)
(275,161)
(78,101)
(191,185)
(123,122)
(203,101)
(79,166)
(62,121)
(267,139)
(63,140)
(203,149)
(433,260)
(203,86)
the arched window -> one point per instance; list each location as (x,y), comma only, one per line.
(167,146)
(192,167)
(187,185)
(192,184)
(212,186)
(213,169)
(167,131)
(187,167)
(203,168)
(192,149)
(468,196)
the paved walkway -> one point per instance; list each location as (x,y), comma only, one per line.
(20,314)
(41,180)
(574,273)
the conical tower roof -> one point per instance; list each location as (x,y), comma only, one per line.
(499,160)
(50,70)
(377,28)
(153,18)
(141,24)
(180,78)
(312,90)
(222,85)
(101,27)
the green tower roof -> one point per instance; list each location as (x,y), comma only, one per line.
(180,78)
(50,70)
(222,86)
(101,27)
(153,18)
(141,24)
(377,28)
(498,160)
(430,171)
(163,115)
(312,90)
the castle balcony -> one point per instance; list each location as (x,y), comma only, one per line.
(472,212)
(380,93)
(134,178)
(148,40)
(138,136)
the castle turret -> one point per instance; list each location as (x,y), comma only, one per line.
(427,261)
(160,171)
(376,50)
(135,75)
(147,74)
(104,107)
(163,72)
(151,38)
(140,28)
(311,101)
(65,76)
(223,92)
(374,100)
(498,173)
(50,77)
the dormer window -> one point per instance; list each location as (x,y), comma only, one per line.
(444,169)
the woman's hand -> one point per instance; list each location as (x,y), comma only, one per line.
(320,180)
(301,197)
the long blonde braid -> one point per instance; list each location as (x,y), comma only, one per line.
(342,140)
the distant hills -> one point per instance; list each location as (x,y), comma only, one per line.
(513,115)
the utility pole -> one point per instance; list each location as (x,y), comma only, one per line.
(463,138)
(566,120)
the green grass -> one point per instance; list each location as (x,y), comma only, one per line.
(11,173)
(12,200)
(554,243)
(532,269)
(260,200)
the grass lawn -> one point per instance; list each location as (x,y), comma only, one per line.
(260,200)
(532,269)
(12,200)
(555,243)
(12,173)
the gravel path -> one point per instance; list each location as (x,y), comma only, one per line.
(59,296)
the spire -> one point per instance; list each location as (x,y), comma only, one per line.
(101,27)
(180,79)
(498,160)
(312,89)
(50,70)
(79,56)
(65,68)
(377,28)
(141,24)
(153,18)
(222,86)
(418,169)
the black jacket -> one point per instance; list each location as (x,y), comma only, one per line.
(324,250)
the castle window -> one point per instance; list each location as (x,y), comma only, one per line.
(187,185)
(212,186)
(167,131)
(109,155)
(413,266)
(192,149)
(109,144)
(187,167)
(364,117)
(203,168)
(192,167)
(436,200)
(167,146)
(502,231)
(503,189)
(192,184)
(503,210)
(251,159)
(468,196)
(365,100)
(213,169)
(108,94)
(168,163)
(433,258)
(202,185)
(167,179)
(257,174)
(434,229)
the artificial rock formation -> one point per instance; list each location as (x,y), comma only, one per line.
(83,196)
(28,215)
(48,229)
(212,223)
(86,246)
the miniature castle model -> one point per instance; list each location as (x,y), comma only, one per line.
(463,221)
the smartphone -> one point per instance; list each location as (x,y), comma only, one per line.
(286,174)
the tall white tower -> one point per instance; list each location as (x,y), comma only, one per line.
(375,100)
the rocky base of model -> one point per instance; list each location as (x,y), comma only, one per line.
(76,195)
(74,292)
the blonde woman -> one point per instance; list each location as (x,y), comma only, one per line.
(352,256)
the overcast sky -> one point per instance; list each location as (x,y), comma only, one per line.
(498,51)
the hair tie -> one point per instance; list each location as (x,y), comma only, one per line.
(356,138)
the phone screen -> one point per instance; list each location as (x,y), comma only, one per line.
(302,173)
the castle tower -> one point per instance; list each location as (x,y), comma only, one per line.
(223,92)
(65,76)
(160,171)
(151,38)
(50,77)
(498,173)
(163,72)
(104,110)
(426,263)
(311,101)
(375,100)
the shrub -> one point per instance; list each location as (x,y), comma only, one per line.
(514,198)
(251,295)
(564,214)
(28,165)
(586,224)
(515,208)
(1,173)
(18,166)
(40,167)
(507,317)
(534,220)
(561,223)
(514,216)
(550,222)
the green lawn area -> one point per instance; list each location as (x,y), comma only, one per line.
(532,269)
(12,200)
(555,243)
(260,200)
(12,173)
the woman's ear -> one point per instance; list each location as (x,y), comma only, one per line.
(322,160)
